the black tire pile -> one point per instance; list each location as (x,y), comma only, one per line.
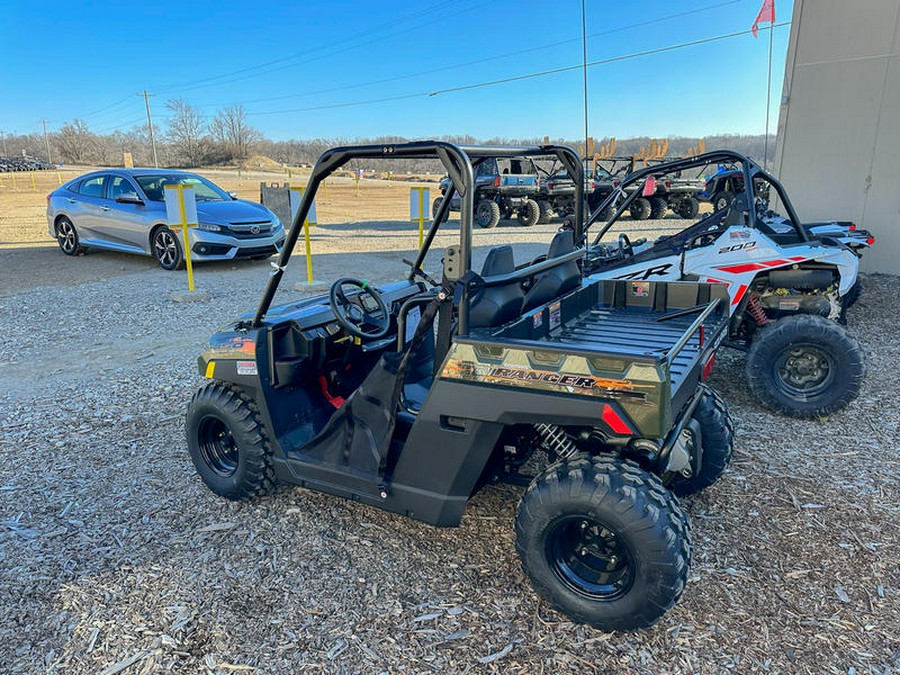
(10,164)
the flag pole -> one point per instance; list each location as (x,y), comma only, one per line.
(768,95)
(584,72)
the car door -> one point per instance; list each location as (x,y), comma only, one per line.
(125,223)
(85,208)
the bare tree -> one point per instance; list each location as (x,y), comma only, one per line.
(231,129)
(76,142)
(186,131)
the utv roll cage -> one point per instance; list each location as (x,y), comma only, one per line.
(751,170)
(460,163)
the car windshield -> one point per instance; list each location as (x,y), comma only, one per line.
(153,186)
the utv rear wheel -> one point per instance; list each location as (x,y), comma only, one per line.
(546,213)
(167,249)
(722,200)
(529,213)
(604,542)
(487,213)
(67,237)
(688,208)
(658,207)
(228,442)
(640,209)
(716,443)
(805,366)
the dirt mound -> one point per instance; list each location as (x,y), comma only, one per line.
(261,163)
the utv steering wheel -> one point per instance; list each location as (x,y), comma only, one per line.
(626,250)
(353,317)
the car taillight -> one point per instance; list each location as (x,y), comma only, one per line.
(870,241)
(592,186)
(852,226)
(615,183)
(48,199)
(708,366)
(497,181)
(549,186)
(668,184)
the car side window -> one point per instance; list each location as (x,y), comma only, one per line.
(92,187)
(119,185)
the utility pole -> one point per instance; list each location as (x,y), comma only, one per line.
(47,142)
(150,124)
(3,137)
(584,72)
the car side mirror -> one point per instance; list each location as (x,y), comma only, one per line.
(129,198)
(232,194)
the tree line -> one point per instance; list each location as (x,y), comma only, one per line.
(188,139)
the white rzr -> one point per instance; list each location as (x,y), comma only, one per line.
(788,284)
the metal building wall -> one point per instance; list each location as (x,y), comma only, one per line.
(838,148)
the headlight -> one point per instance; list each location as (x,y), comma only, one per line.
(276,222)
(209,227)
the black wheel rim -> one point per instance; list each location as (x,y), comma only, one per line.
(166,248)
(217,446)
(590,559)
(483,215)
(804,371)
(67,237)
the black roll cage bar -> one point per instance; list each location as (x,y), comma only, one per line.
(459,163)
(750,169)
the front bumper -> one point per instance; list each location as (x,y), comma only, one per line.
(216,246)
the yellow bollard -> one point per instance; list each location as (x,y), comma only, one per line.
(15,186)
(184,230)
(33,185)
(58,178)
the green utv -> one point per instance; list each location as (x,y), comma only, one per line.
(411,396)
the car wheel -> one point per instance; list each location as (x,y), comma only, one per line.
(167,250)
(529,213)
(716,445)
(67,237)
(546,213)
(487,213)
(722,200)
(658,207)
(689,208)
(436,206)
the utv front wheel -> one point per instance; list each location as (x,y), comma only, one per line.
(640,209)
(546,213)
(604,542)
(658,208)
(228,442)
(716,445)
(689,208)
(805,366)
(529,213)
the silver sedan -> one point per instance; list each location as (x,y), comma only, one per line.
(124,210)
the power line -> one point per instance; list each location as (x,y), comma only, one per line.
(487,59)
(515,78)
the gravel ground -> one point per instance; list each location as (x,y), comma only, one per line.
(117,559)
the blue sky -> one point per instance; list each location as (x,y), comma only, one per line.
(301,68)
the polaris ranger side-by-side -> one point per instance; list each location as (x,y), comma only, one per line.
(410,396)
(788,285)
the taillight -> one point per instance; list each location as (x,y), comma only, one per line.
(497,181)
(708,366)
(48,199)
(615,183)
(549,186)
(852,226)
(870,241)
(668,184)
(592,186)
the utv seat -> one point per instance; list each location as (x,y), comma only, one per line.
(557,280)
(496,305)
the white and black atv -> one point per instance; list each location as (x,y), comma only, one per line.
(789,284)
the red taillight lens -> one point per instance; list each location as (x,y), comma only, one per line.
(549,186)
(852,226)
(615,183)
(497,181)
(614,421)
(668,184)
(708,366)
(48,199)
(870,241)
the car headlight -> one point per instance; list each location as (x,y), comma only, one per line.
(209,227)
(276,223)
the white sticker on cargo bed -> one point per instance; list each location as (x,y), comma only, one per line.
(246,368)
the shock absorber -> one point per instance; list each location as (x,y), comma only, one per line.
(754,306)
(556,440)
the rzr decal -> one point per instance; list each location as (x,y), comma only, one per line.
(656,271)
(756,266)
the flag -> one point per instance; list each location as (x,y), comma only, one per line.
(766,13)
